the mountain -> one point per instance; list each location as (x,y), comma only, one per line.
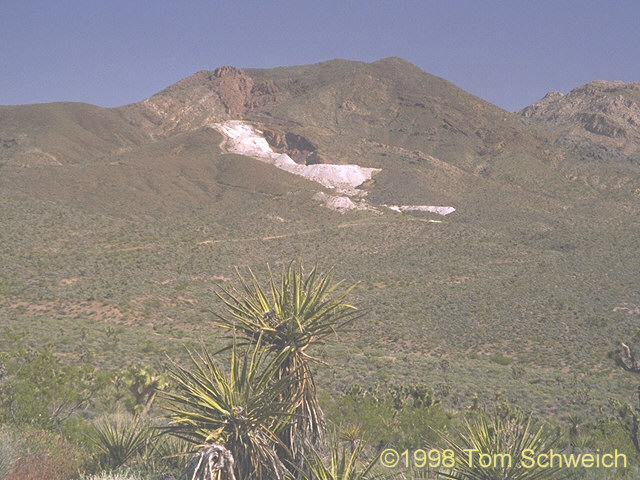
(431,140)
(504,243)
(600,120)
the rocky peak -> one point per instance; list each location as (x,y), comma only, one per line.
(552,96)
(234,89)
(600,107)
(543,105)
(203,98)
(602,113)
(227,71)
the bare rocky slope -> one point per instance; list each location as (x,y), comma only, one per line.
(433,141)
(599,120)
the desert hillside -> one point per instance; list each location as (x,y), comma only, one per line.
(503,243)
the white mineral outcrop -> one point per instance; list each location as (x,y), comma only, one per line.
(421,208)
(242,138)
(338,203)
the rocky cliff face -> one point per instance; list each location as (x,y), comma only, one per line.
(605,115)
(201,99)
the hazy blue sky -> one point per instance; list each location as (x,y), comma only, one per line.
(114,52)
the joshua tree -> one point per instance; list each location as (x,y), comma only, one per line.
(297,311)
(265,411)
(629,416)
(144,384)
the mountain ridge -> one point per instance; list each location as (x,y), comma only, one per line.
(387,115)
(230,93)
(605,114)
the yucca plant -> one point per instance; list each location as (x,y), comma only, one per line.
(344,462)
(122,439)
(169,453)
(506,442)
(295,312)
(245,410)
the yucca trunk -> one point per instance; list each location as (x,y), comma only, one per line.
(212,462)
(307,426)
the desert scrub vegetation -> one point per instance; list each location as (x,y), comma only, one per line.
(39,389)
(121,440)
(250,402)
(400,415)
(33,454)
(512,292)
(345,460)
(7,455)
(116,476)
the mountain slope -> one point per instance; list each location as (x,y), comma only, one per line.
(435,143)
(63,134)
(182,174)
(431,139)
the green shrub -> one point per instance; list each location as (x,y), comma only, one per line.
(402,416)
(501,359)
(345,462)
(41,390)
(44,455)
(121,440)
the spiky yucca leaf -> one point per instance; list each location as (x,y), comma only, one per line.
(298,311)
(505,441)
(121,439)
(342,464)
(302,310)
(244,410)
